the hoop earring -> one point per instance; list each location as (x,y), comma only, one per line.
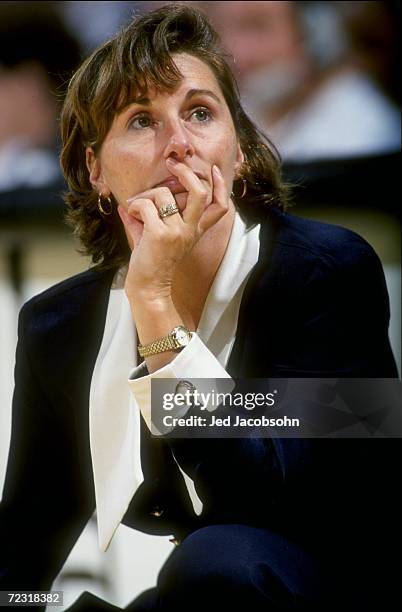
(100,207)
(243,192)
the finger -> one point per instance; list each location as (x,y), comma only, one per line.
(160,196)
(134,227)
(144,212)
(220,201)
(198,195)
(163,196)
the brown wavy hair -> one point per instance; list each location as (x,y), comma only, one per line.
(139,57)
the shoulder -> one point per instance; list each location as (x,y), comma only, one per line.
(308,242)
(70,286)
(60,330)
(303,259)
(68,299)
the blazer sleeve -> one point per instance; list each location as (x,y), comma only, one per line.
(342,320)
(42,512)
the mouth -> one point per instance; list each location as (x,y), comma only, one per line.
(174,184)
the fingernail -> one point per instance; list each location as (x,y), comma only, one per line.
(172,161)
(216,170)
(130,200)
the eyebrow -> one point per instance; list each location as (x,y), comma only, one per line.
(145,101)
(201,92)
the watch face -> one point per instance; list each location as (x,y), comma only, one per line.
(182,335)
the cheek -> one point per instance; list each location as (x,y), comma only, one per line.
(221,148)
(124,171)
(225,155)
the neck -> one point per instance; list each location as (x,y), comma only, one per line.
(195,275)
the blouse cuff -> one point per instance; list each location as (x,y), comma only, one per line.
(193,361)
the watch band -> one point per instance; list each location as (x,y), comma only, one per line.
(161,345)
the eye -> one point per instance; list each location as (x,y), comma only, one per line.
(140,122)
(202,114)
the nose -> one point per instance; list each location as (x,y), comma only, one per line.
(179,145)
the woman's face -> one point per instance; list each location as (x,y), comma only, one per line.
(192,124)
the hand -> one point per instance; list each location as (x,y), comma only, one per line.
(161,244)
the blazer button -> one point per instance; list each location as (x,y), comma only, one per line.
(175,541)
(157,512)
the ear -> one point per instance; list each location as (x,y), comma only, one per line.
(239,160)
(95,172)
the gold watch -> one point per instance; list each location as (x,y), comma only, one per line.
(178,338)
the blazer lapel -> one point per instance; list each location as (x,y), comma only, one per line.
(245,358)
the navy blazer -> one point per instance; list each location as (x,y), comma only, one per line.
(314,305)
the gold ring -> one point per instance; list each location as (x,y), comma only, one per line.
(168,209)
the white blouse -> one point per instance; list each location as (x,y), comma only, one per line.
(119,392)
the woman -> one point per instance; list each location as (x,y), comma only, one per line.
(179,201)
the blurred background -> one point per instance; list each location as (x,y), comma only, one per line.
(321,79)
